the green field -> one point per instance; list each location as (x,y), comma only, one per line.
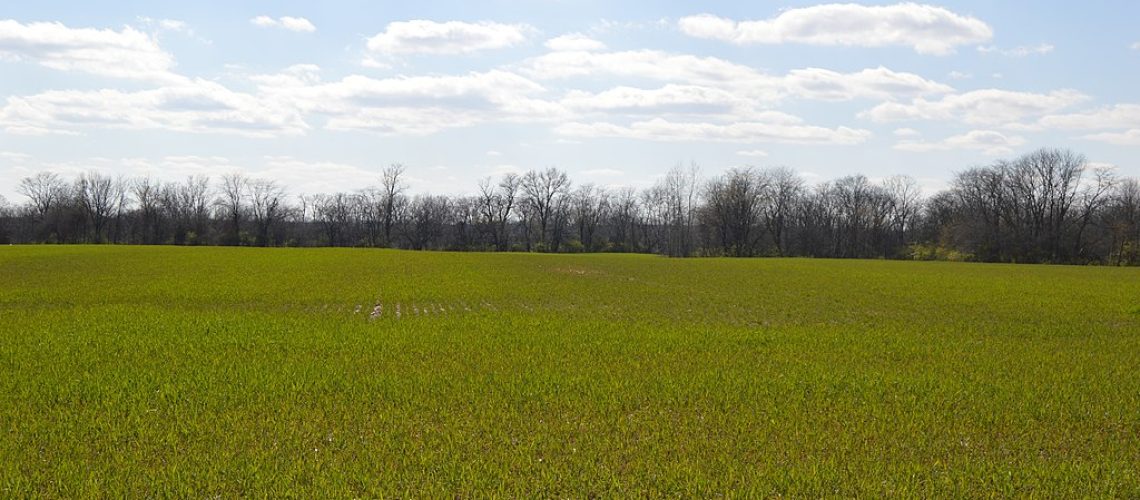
(272,372)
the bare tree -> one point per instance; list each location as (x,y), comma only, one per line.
(624,214)
(1122,218)
(393,187)
(543,193)
(680,188)
(426,222)
(44,190)
(147,192)
(333,212)
(905,198)
(194,202)
(496,204)
(266,207)
(370,209)
(7,213)
(589,205)
(100,198)
(1046,206)
(230,202)
(786,188)
(733,210)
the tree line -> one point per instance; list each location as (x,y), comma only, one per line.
(1047,206)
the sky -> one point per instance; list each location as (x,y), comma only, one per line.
(321,96)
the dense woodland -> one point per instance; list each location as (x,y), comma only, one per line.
(1047,206)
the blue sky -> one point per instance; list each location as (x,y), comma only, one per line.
(323,96)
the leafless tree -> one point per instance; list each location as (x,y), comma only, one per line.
(231,203)
(44,191)
(1047,206)
(334,213)
(100,198)
(147,193)
(393,187)
(734,208)
(589,205)
(543,193)
(680,189)
(496,205)
(786,188)
(624,215)
(1121,216)
(426,222)
(905,198)
(266,208)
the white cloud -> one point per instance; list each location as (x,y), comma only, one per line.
(1119,116)
(958,75)
(906,132)
(1135,46)
(753,153)
(687,99)
(742,81)
(499,170)
(1126,138)
(194,106)
(127,53)
(987,141)
(494,153)
(172,25)
(979,107)
(10,156)
(877,83)
(298,24)
(419,105)
(649,64)
(659,129)
(452,37)
(574,41)
(603,172)
(926,28)
(1019,51)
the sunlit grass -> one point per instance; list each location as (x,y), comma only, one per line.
(213,371)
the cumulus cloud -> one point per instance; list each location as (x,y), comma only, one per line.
(979,107)
(10,156)
(126,53)
(418,105)
(574,41)
(753,153)
(1118,116)
(927,29)
(603,172)
(1120,122)
(988,142)
(1019,51)
(648,64)
(810,83)
(906,132)
(298,24)
(877,83)
(659,129)
(197,106)
(452,37)
(166,25)
(1126,138)
(686,99)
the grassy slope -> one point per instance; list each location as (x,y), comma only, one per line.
(178,371)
